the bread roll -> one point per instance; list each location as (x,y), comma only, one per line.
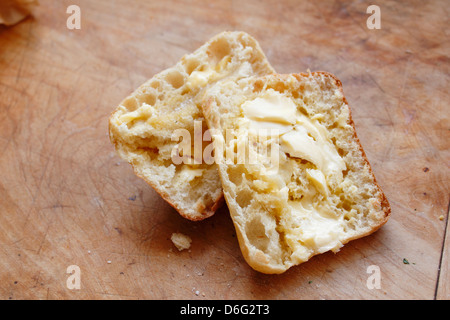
(144,126)
(295,177)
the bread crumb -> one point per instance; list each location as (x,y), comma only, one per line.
(181,241)
(441,218)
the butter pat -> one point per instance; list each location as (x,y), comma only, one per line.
(200,78)
(188,174)
(317,230)
(270,111)
(298,144)
(144,112)
(318,179)
(301,137)
(274,114)
(309,141)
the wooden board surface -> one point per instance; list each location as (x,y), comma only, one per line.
(67,199)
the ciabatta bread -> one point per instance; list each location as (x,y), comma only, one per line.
(295,177)
(142,128)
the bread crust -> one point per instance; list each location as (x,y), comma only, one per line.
(383,199)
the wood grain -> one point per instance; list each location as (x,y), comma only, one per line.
(67,199)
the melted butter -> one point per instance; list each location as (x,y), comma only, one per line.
(309,141)
(209,74)
(271,111)
(142,113)
(274,114)
(318,179)
(311,226)
(317,230)
(188,174)
(200,78)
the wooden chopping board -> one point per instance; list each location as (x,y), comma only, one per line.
(67,199)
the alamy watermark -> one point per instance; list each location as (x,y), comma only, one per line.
(74,279)
(374,21)
(374,280)
(73,282)
(74,20)
(232,147)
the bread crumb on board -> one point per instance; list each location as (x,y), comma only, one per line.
(181,241)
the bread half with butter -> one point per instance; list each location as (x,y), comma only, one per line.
(295,177)
(144,126)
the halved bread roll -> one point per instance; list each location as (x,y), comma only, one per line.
(295,177)
(145,126)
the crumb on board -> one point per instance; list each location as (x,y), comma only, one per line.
(181,241)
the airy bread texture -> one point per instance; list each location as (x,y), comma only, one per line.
(317,193)
(143,125)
